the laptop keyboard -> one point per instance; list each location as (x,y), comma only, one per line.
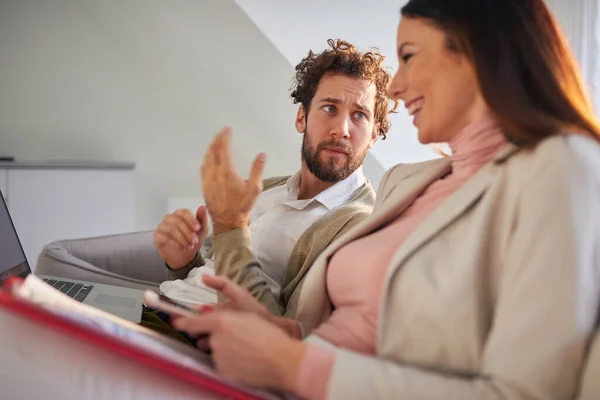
(76,291)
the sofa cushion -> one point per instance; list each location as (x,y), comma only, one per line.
(128,260)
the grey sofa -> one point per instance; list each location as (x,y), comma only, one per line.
(128,260)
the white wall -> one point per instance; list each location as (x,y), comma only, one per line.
(580,23)
(148,81)
(151,81)
(295,26)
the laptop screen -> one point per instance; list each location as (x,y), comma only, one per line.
(12,257)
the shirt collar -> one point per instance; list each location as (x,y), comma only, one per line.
(334,196)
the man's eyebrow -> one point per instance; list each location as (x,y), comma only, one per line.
(362,108)
(335,100)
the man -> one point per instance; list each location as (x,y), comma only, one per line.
(267,234)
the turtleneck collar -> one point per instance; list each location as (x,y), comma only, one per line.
(476,145)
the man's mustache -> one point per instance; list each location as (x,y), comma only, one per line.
(337,145)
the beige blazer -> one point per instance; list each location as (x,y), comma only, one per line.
(494,296)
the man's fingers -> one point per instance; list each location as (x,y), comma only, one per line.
(187,218)
(224,137)
(177,231)
(185,224)
(201,214)
(226,148)
(202,219)
(211,155)
(180,232)
(214,156)
(162,235)
(219,146)
(255,179)
(159,238)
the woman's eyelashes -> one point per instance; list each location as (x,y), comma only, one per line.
(406,57)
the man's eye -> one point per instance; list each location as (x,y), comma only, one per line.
(360,115)
(329,109)
(406,57)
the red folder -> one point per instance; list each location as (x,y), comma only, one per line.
(29,310)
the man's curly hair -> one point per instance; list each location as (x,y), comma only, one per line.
(343,58)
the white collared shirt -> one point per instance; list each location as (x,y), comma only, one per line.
(277,221)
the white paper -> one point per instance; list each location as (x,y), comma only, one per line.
(37,291)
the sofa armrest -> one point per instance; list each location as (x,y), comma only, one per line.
(129,260)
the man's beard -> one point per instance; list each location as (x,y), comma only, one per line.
(327,171)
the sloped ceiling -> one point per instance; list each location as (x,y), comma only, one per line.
(295,27)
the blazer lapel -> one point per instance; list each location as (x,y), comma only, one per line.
(400,198)
(314,305)
(446,213)
(406,190)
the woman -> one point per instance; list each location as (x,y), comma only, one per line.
(476,277)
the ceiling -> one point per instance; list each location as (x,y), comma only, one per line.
(296,27)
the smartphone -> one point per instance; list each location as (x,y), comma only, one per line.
(163,303)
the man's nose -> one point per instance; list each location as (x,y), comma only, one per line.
(340,128)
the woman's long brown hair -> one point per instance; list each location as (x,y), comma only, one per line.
(526,71)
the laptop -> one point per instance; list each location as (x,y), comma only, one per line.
(123,302)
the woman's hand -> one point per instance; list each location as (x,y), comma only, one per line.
(239,299)
(247,348)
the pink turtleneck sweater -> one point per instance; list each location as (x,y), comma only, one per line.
(356,272)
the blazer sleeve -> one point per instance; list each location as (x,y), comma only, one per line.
(546,307)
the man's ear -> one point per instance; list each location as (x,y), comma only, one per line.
(301,119)
(374,135)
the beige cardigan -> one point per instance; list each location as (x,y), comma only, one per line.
(494,296)
(235,259)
